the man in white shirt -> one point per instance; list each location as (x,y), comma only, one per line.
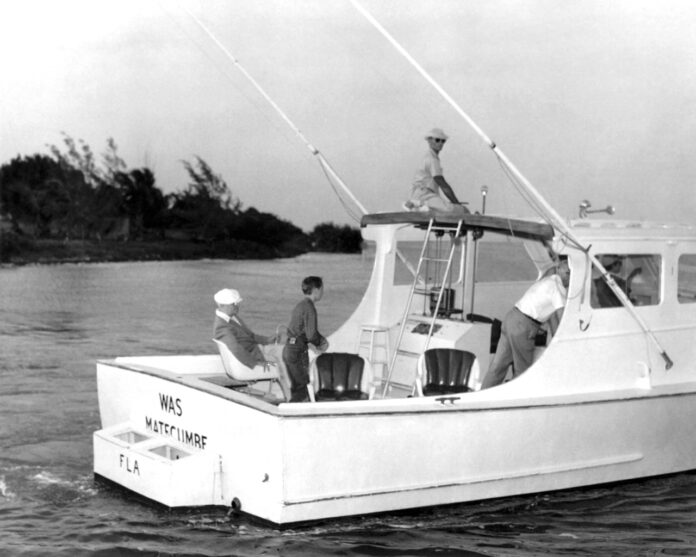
(428,181)
(542,303)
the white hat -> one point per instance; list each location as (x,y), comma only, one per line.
(227,296)
(437,133)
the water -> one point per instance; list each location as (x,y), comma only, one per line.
(55,321)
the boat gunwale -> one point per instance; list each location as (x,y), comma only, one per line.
(446,403)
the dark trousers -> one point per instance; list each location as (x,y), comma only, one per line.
(296,361)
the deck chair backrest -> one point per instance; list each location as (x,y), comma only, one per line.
(238,371)
(444,371)
(341,376)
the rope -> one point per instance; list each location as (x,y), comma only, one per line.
(351,213)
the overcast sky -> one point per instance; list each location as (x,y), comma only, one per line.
(591,99)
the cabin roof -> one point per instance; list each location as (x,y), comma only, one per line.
(522,228)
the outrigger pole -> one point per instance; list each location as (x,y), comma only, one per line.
(548,211)
(322,160)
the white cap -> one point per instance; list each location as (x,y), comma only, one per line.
(227,296)
(437,133)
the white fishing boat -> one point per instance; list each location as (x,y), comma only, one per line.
(598,405)
(610,397)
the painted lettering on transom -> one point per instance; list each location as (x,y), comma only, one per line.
(170,404)
(128,464)
(190,438)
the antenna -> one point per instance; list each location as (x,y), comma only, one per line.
(484,193)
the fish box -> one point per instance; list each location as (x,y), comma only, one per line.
(160,469)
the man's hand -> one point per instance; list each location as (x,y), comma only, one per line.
(321,348)
(267,365)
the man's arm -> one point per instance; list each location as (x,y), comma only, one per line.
(554,320)
(310,326)
(449,192)
(242,354)
(258,339)
(446,189)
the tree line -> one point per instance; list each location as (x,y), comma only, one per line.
(71,195)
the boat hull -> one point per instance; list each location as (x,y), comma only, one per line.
(303,462)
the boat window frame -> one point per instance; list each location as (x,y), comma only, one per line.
(635,268)
(681,273)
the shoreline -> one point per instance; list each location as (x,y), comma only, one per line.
(53,252)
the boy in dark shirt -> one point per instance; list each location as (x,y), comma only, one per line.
(303,330)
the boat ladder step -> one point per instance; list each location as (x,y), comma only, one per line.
(449,229)
(419,319)
(409,353)
(427,290)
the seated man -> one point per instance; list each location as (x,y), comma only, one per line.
(429,181)
(248,347)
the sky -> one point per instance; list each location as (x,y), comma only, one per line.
(590,99)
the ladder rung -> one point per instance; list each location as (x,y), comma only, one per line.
(397,385)
(408,353)
(436,259)
(412,318)
(430,289)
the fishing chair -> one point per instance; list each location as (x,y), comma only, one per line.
(443,371)
(340,376)
(239,372)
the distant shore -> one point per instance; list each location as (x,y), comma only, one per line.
(92,251)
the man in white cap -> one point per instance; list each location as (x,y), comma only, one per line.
(248,347)
(429,181)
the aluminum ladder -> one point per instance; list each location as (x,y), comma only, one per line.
(426,290)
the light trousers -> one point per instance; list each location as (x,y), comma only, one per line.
(516,347)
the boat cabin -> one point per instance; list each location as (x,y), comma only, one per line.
(448,282)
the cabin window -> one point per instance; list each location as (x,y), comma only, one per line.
(438,248)
(498,260)
(638,275)
(686,279)
(504,261)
